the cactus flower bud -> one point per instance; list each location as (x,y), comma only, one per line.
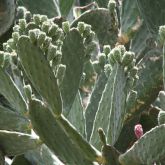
(161,117)
(134,71)
(66,26)
(47,42)
(52,30)
(56,59)
(45,27)
(41,38)
(89,38)
(112,61)
(117,55)
(102,136)
(138,130)
(11,43)
(16,28)
(7,59)
(102,59)
(22,24)
(83,77)
(107,69)
(15,36)
(31,26)
(21,12)
(128,57)
(33,35)
(61,73)
(5,46)
(43,18)
(81,27)
(37,19)
(28,16)
(162,33)
(161,97)
(87,30)
(106,49)
(122,49)
(59,33)
(111,6)
(51,52)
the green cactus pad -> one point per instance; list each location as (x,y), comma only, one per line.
(65,6)
(12,121)
(76,115)
(7,14)
(150,11)
(102,24)
(92,107)
(146,96)
(10,91)
(147,150)
(118,106)
(131,99)
(14,143)
(86,149)
(73,53)
(110,155)
(103,109)
(40,74)
(42,156)
(161,117)
(50,8)
(129,20)
(133,27)
(111,111)
(142,41)
(60,136)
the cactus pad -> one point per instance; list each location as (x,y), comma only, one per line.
(40,74)
(102,24)
(73,53)
(10,91)
(147,150)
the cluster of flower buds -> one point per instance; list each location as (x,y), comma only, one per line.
(89,38)
(127,60)
(60,73)
(6,58)
(102,64)
(42,32)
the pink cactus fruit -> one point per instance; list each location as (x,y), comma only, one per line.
(138,130)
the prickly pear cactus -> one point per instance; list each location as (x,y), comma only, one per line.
(74,90)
